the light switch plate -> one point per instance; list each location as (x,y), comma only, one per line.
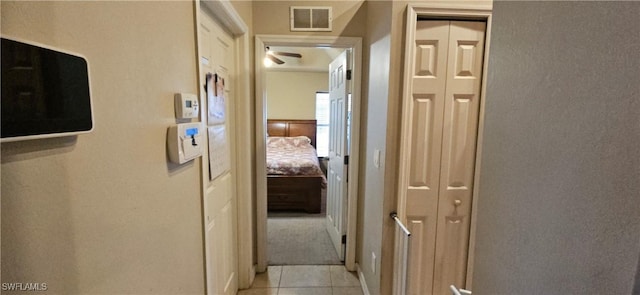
(376,158)
(373,262)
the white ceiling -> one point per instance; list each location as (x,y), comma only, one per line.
(313,59)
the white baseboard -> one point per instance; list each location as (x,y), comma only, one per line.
(363,282)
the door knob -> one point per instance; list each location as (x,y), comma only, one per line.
(455,218)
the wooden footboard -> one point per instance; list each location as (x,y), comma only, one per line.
(294,192)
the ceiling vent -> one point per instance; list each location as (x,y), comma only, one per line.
(307,18)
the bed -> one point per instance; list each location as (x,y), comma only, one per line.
(294,177)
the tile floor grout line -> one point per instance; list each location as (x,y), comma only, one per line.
(280,280)
(331,272)
(330,279)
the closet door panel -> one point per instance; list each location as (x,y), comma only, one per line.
(421,170)
(462,93)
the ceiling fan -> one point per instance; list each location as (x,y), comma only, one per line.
(271,56)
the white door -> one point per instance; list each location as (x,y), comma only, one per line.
(438,156)
(337,170)
(216,56)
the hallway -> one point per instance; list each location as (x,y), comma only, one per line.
(555,196)
(305,279)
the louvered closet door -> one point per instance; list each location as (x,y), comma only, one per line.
(439,159)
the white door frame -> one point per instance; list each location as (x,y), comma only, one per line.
(355,43)
(230,20)
(480,10)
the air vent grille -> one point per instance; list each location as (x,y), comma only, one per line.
(307,18)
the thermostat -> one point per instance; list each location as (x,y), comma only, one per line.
(186,105)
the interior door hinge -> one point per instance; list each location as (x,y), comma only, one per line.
(348,74)
(346,160)
(344,239)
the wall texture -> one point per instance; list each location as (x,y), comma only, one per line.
(292,95)
(104,212)
(559,193)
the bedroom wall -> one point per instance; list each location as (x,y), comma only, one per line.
(292,95)
(104,212)
(559,193)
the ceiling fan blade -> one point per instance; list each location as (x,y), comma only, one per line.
(275,59)
(290,54)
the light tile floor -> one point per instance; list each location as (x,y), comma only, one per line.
(305,280)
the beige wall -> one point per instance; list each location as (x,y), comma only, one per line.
(374,125)
(105,212)
(246,123)
(559,193)
(384,60)
(394,106)
(292,95)
(272,17)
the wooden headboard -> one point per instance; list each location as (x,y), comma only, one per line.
(289,128)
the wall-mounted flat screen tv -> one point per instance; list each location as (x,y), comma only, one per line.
(45,92)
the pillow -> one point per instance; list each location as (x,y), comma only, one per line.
(300,140)
(295,141)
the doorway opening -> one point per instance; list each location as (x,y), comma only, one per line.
(298,108)
(319,211)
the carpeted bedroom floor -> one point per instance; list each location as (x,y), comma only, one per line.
(296,238)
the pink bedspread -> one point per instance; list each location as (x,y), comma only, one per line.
(292,156)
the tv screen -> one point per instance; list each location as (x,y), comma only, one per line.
(45,92)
